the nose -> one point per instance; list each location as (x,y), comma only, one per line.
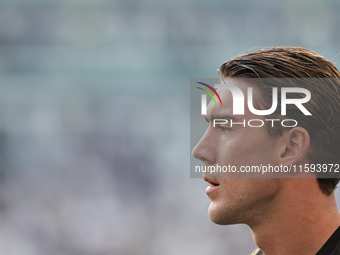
(205,148)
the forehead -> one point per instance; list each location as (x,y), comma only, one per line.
(227,97)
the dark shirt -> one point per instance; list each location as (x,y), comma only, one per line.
(331,247)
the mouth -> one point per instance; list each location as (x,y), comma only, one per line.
(213,182)
(211,190)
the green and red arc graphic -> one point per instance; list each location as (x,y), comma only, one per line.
(208,92)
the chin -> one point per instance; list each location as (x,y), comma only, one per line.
(222,216)
(217,215)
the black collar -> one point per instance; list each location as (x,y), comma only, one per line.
(332,246)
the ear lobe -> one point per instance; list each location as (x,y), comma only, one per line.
(294,146)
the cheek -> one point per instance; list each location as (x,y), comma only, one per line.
(237,150)
(241,190)
(243,147)
(234,188)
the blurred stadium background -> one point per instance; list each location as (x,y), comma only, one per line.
(94,117)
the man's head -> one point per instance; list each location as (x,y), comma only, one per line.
(322,80)
(314,140)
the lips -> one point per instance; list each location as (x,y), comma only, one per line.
(211,181)
(214,185)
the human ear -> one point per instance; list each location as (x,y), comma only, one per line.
(294,146)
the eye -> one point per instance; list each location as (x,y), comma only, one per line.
(224,129)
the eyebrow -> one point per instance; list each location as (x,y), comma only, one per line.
(219,116)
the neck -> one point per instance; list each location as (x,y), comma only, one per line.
(299,223)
